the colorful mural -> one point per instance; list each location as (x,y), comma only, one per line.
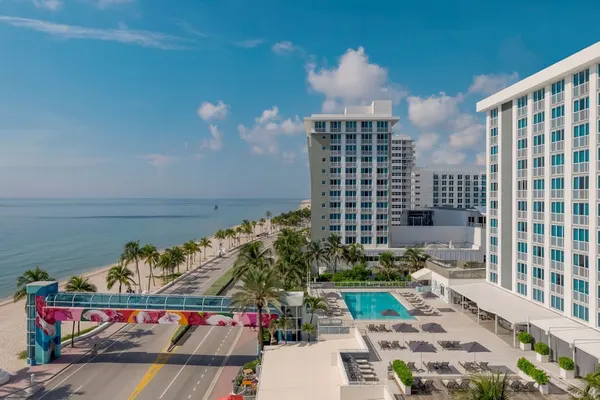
(47,329)
(155,317)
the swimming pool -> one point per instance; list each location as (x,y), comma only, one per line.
(370,305)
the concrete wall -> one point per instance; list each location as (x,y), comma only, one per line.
(506,203)
(316,155)
(412,235)
(361,392)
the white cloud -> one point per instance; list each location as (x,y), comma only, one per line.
(159,160)
(447,156)
(353,81)
(49,4)
(249,44)
(304,149)
(492,83)
(216,139)
(108,3)
(288,157)
(269,127)
(285,47)
(480,158)
(426,113)
(208,111)
(126,36)
(469,132)
(426,141)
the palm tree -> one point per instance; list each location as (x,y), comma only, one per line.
(253,255)
(387,265)
(316,254)
(314,303)
(230,234)
(262,223)
(334,249)
(247,230)
(206,243)
(122,275)
(29,276)
(150,255)
(165,262)
(79,284)
(415,259)
(268,215)
(591,390)
(283,324)
(291,269)
(133,253)
(487,387)
(288,241)
(354,254)
(189,249)
(177,256)
(260,289)
(220,236)
(253,228)
(238,231)
(309,329)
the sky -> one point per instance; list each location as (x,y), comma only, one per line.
(206,99)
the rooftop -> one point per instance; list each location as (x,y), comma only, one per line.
(465,169)
(378,110)
(542,78)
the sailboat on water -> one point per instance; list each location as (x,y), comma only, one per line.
(216,207)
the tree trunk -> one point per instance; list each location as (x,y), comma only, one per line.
(137,269)
(260,330)
(78,328)
(73,336)
(149,276)
(119,287)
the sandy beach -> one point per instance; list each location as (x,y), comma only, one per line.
(12,315)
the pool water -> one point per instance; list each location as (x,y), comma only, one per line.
(369,305)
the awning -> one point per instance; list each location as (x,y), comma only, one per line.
(509,306)
(572,332)
(423,274)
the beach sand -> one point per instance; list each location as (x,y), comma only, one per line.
(12,315)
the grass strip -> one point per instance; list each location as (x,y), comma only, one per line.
(220,284)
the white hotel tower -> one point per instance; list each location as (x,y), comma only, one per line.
(543,161)
(349,158)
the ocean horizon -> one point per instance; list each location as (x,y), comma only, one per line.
(73,236)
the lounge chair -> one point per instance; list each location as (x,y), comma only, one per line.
(484,366)
(396,344)
(515,385)
(361,361)
(445,366)
(411,365)
(450,384)
(382,328)
(464,384)
(529,386)
(385,345)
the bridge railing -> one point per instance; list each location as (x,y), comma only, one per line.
(362,284)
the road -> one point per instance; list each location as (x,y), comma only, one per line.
(134,362)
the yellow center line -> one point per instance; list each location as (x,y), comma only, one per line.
(156,366)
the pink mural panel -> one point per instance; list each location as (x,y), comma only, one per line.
(156,317)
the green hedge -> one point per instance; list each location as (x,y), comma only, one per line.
(179,333)
(542,348)
(539,376)
(525,337)
(566,363)
(403,372)
(220,284)
(251,365)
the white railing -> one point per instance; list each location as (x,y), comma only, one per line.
(494,176)
(335,198)
(493,249)
(581,271)
(366,198)
(537,238)
(538,171)
(557,170)
(583,167)
(522,132)
(335,175)
(522,112)
(350,222)
(580,116)
(335,187)
(557,146)
(494,230)
(538,106)
(538,260)
(522,235)
(351,187)
(554,288)
(351,198)
(336,152)
(582,141)
(557,98)
(521,194)
(382,187)
(538,194)
(382,233)
(521,277)
(538,216)
(522,153)
(365,284)
(581,219)
(494,158)
(557,122)
(336,164)
(522,214)
(494,122)
(583,246)
(557,193)
(494,195)
(537,282)
(538,128)
(581,297)
(351,210)
(581,90)
(493,140)
(493,212)
(521,173)
(557,265)
(581,194)
(554,217)
(557,241)
(521,256)
(539,149)
(382,209)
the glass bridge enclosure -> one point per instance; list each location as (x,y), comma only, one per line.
(216,304)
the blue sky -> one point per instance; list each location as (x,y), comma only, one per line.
(191,98)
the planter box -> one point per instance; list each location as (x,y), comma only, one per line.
(542,358)
(567,374)
(544,389)
(524,376)
(405,389)
(525,346)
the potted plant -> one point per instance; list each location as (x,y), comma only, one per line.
(567,367)
(525,341)
(541,378)
(542,352)
(403,376)
(525,367)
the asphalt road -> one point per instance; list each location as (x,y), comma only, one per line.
(134,362)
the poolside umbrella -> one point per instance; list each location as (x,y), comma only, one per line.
(474,347)
(390,313)
(404,328)
(428,295)
(433,328)
(421,347)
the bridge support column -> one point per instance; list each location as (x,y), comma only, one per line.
(43,332)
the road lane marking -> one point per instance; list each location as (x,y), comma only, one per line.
(156,366)
(218,374)
(75,392)
(87,362)
(187,361)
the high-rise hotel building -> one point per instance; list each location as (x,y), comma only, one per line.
(402,164)
(448,186)
(543,161)
(349,158)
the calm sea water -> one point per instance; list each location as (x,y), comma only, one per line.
(68,237)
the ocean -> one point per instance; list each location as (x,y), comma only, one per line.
(72,236)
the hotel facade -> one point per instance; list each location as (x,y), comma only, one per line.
(543,165)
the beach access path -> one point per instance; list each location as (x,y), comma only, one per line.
(133,363)
(12,315)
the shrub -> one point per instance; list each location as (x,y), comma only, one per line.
(525,365)
(403,372)
(251,365)
(566,363)
(530,370)
(525,337)
(22,354)
(540,377)
(542,348)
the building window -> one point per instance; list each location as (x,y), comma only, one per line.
(558,303)
(320,126)
(336,126)
(366,126)
(581,312)
(350,126)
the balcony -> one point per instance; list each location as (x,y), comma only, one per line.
(557,265)
(383,187)
(557,170)
(522,132)
(521,256)
(351,187)
(336,141)
(539,216)
(335,187)
(351,141)
(335,175)
(351,152)
(538,128)
(557,122)
(494,230)
(494,176)
(537,282)
(581,194)
(538,194)
(522,153)
(557,146)
(521,194)
(350,222)
(538,260)
(554,217)
(382,165)
(336,164)
(582,141)
(581,220)
(336,152)
(350,175)
(581,168)
(335,198)
(493,122)
(522,173)
(537,172)
(382,210)
(537,238)
(351,210)
(350,233)
(521,277)
(366,186)
(557,98)
(583,246)
(557,289)
(522,112)
(581,90)
(539,149)
(493,140)
(351,165)
(493,212)
(557,193)
(351,198)
(522,235)
(522,214)
(382,233)
(582,298)
(366,198)
(581,271)
(538,106)
(494,158)
(557,241)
